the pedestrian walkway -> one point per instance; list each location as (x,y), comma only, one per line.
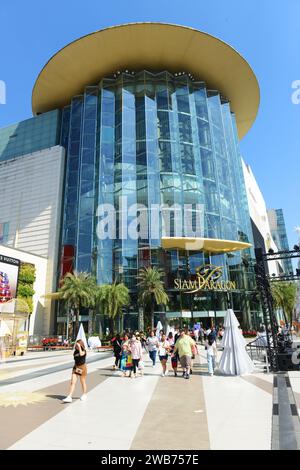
(149,412)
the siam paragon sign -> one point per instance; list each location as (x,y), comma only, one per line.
(207,278)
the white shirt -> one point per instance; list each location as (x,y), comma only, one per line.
(211,349)
(162,348)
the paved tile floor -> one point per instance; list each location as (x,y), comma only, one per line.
(149,412)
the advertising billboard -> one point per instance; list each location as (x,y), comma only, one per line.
(9,273)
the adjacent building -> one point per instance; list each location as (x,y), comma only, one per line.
(261,230)
(31,182)
(278,231)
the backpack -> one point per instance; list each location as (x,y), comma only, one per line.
(210,339)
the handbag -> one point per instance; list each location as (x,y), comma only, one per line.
(78,371)
(129,361)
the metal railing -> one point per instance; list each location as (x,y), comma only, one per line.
(258,350)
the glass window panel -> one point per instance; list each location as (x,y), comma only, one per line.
(207,163)
(183,104)
(204,133)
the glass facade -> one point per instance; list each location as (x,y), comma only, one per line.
(156,139)
(279,235)
(29,136)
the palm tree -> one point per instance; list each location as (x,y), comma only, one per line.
(151,290)
(284,297)
(78,290)
(111,298)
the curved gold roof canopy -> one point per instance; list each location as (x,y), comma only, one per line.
(155,47)
(208,245)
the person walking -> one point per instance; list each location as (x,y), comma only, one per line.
(125,355)
(135,347)
(221,333)
(79,370)
(185,346)
(196,332)
(152,344)
(163,351)
(171,339)
(143,340)
(194,352)
(174,359)
(211,351)
(117,348)
(176,334)
(201,333)
(214,332)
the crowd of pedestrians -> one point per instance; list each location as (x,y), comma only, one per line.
(180,347)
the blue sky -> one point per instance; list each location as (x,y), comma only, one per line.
(265,32)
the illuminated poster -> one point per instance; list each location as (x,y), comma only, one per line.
(9,272)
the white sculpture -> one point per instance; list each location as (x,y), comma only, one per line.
(235,359)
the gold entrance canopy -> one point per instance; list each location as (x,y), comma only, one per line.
(208,245)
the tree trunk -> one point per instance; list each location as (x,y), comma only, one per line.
(91,321)
(120,323)
(111,326)
(100,328)
(147,317)
(71,325)
(284,316)
(75,333)
(141,319)
(152,313)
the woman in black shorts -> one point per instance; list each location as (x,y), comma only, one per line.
(79,370)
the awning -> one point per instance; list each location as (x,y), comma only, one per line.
(208,245)
(52,295)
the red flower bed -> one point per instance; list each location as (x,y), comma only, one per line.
(250,333)
(50,342)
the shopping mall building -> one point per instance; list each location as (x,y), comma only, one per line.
(140,117)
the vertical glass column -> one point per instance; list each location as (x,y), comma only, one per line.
(152,152)
(125,182)
(237,178)
(65,127)
(142,182)
(106,176)
(189,152)
(72,173)
(86,196)
(220,161)
(168,152)
(208,163)
(196,192)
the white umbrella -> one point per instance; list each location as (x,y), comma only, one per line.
(158,328)
(81,335)
(235,359)
(4,330)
